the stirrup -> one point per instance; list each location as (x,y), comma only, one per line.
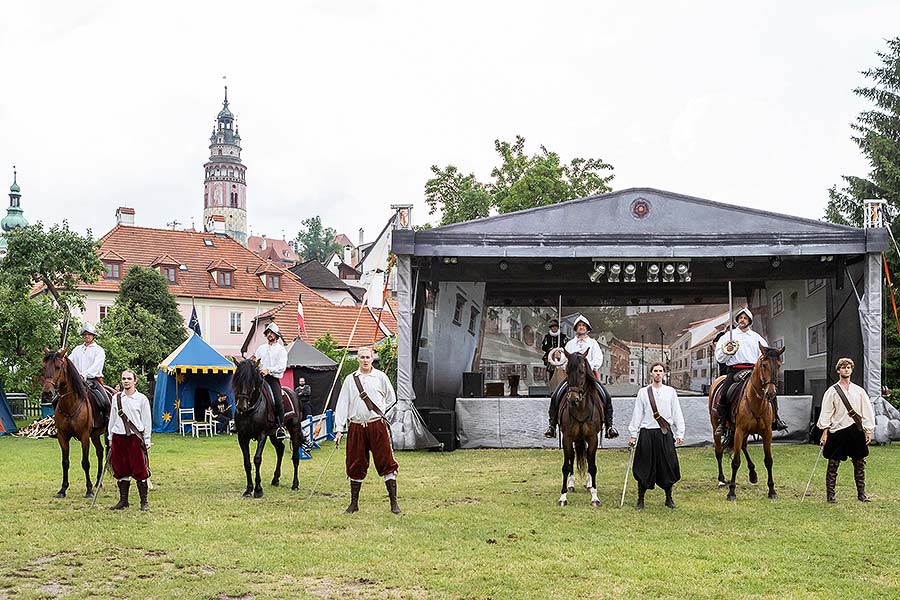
(721,430)
(281,433)
(611,432)
(551,432)
(778,425)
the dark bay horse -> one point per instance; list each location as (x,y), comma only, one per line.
(753,415)
(74,416)
(254,420)
(580,421)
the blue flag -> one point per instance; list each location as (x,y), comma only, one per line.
(194,323)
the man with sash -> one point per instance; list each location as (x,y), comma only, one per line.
(365,396)
(847,423)
(89,358)
(272,357)
(657,426)
(739,350)
(580,343)
(130,423)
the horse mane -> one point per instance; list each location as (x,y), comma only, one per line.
(580,363)
(75,380)
(246,375)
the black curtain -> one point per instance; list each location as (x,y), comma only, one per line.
(319,382)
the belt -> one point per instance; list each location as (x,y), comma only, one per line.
(365,422)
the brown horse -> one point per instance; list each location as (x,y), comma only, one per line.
(74,416)
(753,415)
(580,421)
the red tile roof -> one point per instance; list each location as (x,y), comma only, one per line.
(275,249)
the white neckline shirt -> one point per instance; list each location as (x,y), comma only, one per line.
(669,408)
(137,408)
(89,360)
(272,357)
(594,355)
(350,407)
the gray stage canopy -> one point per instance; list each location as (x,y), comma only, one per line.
(529,257)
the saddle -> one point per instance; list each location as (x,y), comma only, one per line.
(101,403)
(734,392)
(289,401)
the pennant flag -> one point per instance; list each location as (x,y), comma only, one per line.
(301,325)
(194,322)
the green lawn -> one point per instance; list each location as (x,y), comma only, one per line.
(476,524)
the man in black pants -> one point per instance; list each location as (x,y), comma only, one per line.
(272,362)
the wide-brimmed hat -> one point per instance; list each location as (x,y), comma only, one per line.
(582,319)
(88,328)
(273,328)
(744,311)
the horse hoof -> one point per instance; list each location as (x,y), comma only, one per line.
(773,496)
(562,503)
(257,493)
(571,489)
(247,494)
(295,487)
(89,495)
(60,495)
(731,497)
(275,482)
(753,477)
(722,483)
(595,503)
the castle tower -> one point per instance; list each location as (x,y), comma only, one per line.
(225,184)
(13,216)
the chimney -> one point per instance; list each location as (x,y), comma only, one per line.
(125,216)
(361,232)
(262,244)
(348,254)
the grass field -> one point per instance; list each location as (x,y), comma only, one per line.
(475,524)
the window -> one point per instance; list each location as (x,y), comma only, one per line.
(169,273)
(112,270)
(777,303)
(515,330)
(234,322)
(492,325)
(457,312)
(224,278)
(814,285)
(778,344)
(473,320)
(815,340)
(103,311)
(274,282)
(539,373)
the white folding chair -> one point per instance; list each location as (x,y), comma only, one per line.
(204,426)
(186,419)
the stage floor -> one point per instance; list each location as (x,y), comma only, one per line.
(521,422)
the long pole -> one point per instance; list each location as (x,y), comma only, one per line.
(628,468)
(662,345)
(818,456)
(642,360)
(730,314)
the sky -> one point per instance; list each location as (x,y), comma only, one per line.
(344,106)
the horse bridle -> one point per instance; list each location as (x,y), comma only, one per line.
(769,382)
(249,397)
(55,397)
(580,394)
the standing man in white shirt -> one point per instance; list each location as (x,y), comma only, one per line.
(89,358)
(657,426)
(580,343)
(272,363)
(366,395)
(743,358)
(129,434)
(847,423)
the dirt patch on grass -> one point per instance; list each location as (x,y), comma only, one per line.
(42,560)
(358,589)
(247,596)
(459,502)
(54,589)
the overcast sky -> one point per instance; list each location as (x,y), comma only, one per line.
(343,105)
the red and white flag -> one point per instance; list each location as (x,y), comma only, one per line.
(301,325)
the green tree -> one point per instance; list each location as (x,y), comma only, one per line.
(27,325)
(877,133)
(520,181)
(133,339)
(328,346)
(387,358)
(315,241)
(58,258)
(148,289)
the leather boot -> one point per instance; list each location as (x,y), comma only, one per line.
(859,476)
(354,496)
(142,491)
(722,427)
(391,485)
(639,505)
(831,480)
(123,495)
(777,423)
(669,502)
(611,432)
(551,430)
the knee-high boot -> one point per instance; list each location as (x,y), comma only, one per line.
(831,480)
(639,505)
(354,496)
(777,423)
(391,485)
(142,491)
(123,495)
(859,476)
(670,503)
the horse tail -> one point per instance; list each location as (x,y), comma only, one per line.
(581,456)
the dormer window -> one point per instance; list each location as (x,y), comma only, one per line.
(273,282)
(112,270)
(223,278)
(170,274)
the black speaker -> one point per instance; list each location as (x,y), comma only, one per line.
(447,439)
(794,382)
(441,421)
(473,385)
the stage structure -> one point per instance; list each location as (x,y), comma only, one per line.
(637,247)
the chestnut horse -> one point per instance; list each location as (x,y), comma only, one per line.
(74,416)
(753,415)
(580,421)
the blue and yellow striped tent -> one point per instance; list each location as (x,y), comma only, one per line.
(189,378)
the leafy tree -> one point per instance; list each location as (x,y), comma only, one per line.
(60,259)
(133,339)
(519,182)
(387,358)
(27,325)
(148,289)
(877,133)
(328,346)
(316,242)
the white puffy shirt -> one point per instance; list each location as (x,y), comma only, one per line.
(350,407)
(595,354)
(669,409)
(89,360)
(834,416)
(137,408)
(272,357)
(748,348)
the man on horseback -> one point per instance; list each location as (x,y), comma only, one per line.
(552,339)
(581,343)
(739,350)
(89,358)
(272,363)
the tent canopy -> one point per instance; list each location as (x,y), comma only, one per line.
(7,423)
(316,368)
(301,354)
(190,378)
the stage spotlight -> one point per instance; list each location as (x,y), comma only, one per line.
(503,265)
(682,268)
(453,260)
(446,260)
(775,261)
(630,271)
(599,271)
(728,261)
(668,273)
(548,266)
(614,270)
(652,273)
(827,258)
